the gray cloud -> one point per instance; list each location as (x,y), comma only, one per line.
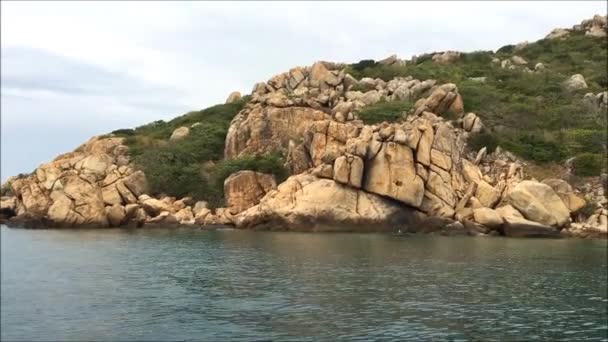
(67,73)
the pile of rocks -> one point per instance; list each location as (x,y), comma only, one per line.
(418,163)
(599,100)
(97,186)
(446,57)
(595,27)
(517,63)
(281,108)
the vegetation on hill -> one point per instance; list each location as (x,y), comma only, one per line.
(192,166)
(384,111)
(530,114)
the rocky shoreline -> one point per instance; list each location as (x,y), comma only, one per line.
(416,175)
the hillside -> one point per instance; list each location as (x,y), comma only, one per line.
(393,131)
(525,107)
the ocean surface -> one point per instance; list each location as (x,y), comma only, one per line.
(190,284)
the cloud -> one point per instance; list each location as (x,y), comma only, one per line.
(73,69)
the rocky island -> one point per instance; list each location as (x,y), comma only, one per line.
(439,143)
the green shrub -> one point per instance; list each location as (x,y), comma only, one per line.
(175,167)
(271,163)
(589,164)
(506,49)
(365,63)
(125,132)
(584,140)
(384,72)
(480,140)
(384,111)
(5,190)
(535,147)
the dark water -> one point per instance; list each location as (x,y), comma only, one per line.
(238,285)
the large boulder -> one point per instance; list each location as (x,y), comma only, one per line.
(244,189)
(575,82)
(446,57)
(180,133)
(392,172)
(539,203)
(262,129)
(305,202)
(154,207)
(487,217)
(520,227)
(136,183)
(234,96)
(78,203)
(116,215)
(572,201)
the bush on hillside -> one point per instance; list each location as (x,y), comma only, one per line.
(481,140)
(589,164)
(535,147)
(271,163)
(384,111)
(175,167)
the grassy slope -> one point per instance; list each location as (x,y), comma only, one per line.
(530,114)
(192,166)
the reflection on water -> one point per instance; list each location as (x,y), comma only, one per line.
(185,284)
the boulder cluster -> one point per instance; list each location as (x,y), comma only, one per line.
(595,27)
(95,185)
(599,100)
(414,171)
(281,109)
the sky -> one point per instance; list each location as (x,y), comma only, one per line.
(71,70)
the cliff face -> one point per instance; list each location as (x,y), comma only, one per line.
(414,172)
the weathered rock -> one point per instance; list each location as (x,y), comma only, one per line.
(163,218)
(185,216)
(539,203)
(557,33)
(116,215)
(300,203)
(519,227)
(573,202)
(323,171)
(392,172)
(201,215)
(576,82)
(446,57)
(154,207)
(180,133)
(136,183)
(199,206)
(487,217)
(265,129)
(244,189)
(434,206)
(517,60)
(508,210)
(423,152)
(348,170)
(111,195)
(234,96)
(487,194)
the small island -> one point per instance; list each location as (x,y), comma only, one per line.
(454,143)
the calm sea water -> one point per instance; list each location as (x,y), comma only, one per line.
(182,284)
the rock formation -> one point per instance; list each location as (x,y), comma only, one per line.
(595,27)
(415,174)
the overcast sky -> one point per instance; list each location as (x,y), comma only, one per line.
(71,70)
